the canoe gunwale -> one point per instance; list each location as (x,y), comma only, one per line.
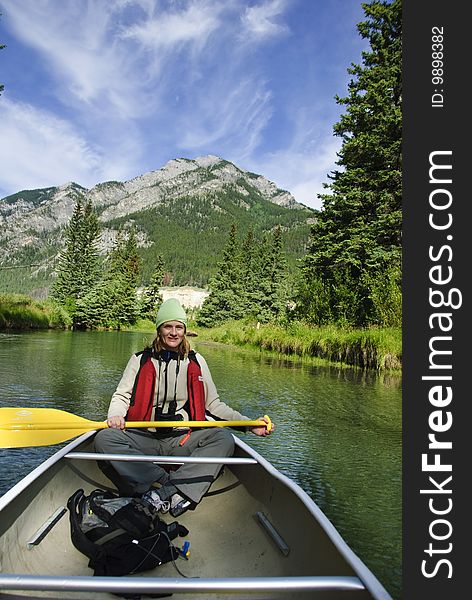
(173,585)
(365,575)
(24,483)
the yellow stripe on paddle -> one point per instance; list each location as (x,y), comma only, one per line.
(24,427)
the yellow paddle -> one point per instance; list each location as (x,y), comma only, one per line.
(23,427)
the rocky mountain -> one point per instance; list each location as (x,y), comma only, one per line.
(183,211)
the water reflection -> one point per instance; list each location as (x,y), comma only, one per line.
(338,430)
(338,436)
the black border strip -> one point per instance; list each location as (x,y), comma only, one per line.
(436,126)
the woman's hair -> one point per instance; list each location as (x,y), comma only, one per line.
(183,349)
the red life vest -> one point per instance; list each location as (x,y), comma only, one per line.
(142,397)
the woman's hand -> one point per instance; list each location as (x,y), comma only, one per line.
(116,422)
(263,431)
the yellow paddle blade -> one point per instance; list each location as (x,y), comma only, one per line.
(24,427)
(23,438)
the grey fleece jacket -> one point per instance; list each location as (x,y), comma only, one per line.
(163,393)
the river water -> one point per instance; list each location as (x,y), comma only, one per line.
(338,430)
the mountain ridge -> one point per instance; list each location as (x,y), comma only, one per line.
(193,199)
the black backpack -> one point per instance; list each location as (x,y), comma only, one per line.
(120,536)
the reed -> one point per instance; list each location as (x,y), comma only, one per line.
(22,312)
(373,348)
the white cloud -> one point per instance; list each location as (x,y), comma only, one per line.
(40,144)
(90,68)
(301,171)
(44,150)
(229,116)
(123,57)
(166,30)
(260,21)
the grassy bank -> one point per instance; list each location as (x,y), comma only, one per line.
(22,312)
(378,349)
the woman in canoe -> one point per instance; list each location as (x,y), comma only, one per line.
(167,381)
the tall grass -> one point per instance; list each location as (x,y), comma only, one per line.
(373,348)
(22,312)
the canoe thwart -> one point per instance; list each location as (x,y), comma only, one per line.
(45,528)
(273,533)
(180,460)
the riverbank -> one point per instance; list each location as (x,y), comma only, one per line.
(377,349)
(18,311)
(373,348)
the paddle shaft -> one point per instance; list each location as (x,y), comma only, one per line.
(23,427)
(87,426)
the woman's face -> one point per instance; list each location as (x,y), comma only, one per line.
(171,334)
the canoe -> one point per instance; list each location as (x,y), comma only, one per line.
(256,534)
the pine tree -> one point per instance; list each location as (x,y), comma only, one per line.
(79,263)
(250,282)
(66,288)
(250,273)
(271,293)
(280,286)
(112,302)
(91,263)
(355,244)
(124,275)
(98,308)
(151,298)
(227,298)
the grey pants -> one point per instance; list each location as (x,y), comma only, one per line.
(192,480)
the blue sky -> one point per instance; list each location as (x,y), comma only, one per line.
(99,90)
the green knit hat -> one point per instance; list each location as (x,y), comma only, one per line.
(170,310)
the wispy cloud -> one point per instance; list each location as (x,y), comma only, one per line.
(233,123)
(120,87)
(191,25)
(303,174)
(122,57)
(302,167)
(264,20)
(80,50)
(39,142)
(45,150)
